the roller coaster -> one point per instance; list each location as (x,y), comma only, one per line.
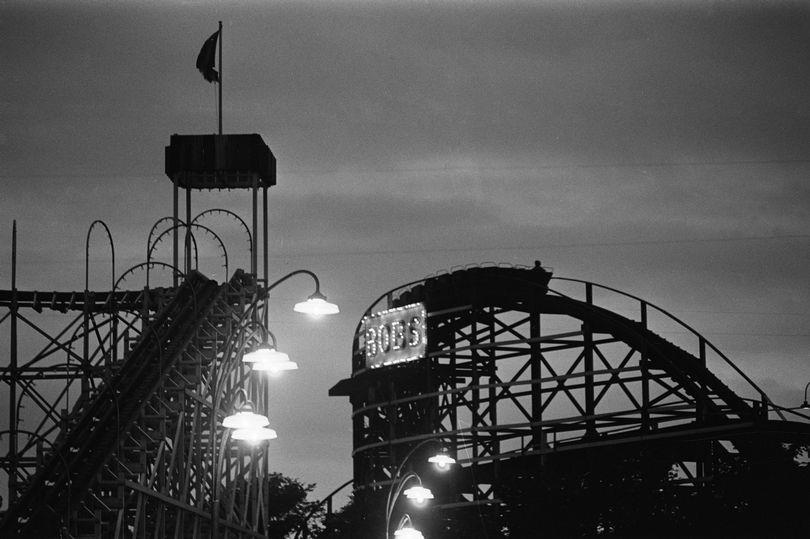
(516,370)
(116,397)
(115,417)
(136,453)
(521,366)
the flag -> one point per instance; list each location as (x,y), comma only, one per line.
(205,60)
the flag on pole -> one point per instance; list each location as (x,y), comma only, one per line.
(205,60)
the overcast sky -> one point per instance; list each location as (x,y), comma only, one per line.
(660,148)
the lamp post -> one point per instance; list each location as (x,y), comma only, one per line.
(245,424)
(418,494)
(805,405)
(242,424)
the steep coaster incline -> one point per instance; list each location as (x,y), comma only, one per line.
(80,453)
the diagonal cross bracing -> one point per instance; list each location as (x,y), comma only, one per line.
(513,369)
(109,416)
(136,456)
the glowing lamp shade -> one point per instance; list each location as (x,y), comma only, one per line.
(245,419)
(408,533)
(442,460)
(265,353)
(418,494)
(266,358)
(316,305)
(254,435)
(276,366)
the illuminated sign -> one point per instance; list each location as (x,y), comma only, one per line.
(395,336)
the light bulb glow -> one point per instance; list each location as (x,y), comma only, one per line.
(442,461)
(245,420)
(316,307)
(275,367)
(268,359)
(418,494)
(254,435)
(408,533)
(265,353)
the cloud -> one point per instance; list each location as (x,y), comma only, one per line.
(374,221)
(644,147)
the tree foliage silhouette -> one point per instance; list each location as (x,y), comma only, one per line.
(758,489)
(285,504)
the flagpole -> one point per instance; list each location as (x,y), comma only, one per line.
(220,77)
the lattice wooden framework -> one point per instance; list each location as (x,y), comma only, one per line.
(122,406)
(518,369)
(114,420)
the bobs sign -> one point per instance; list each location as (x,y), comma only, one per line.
(395,336)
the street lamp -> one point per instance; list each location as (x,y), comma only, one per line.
(265,357)
(405,529)
(316,305)
(272,361)
(805,405)
(248,425)
(442,460)
(245,424)
(419,494)
(254,435)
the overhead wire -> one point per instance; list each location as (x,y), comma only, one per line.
(630,243)
(562,166)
